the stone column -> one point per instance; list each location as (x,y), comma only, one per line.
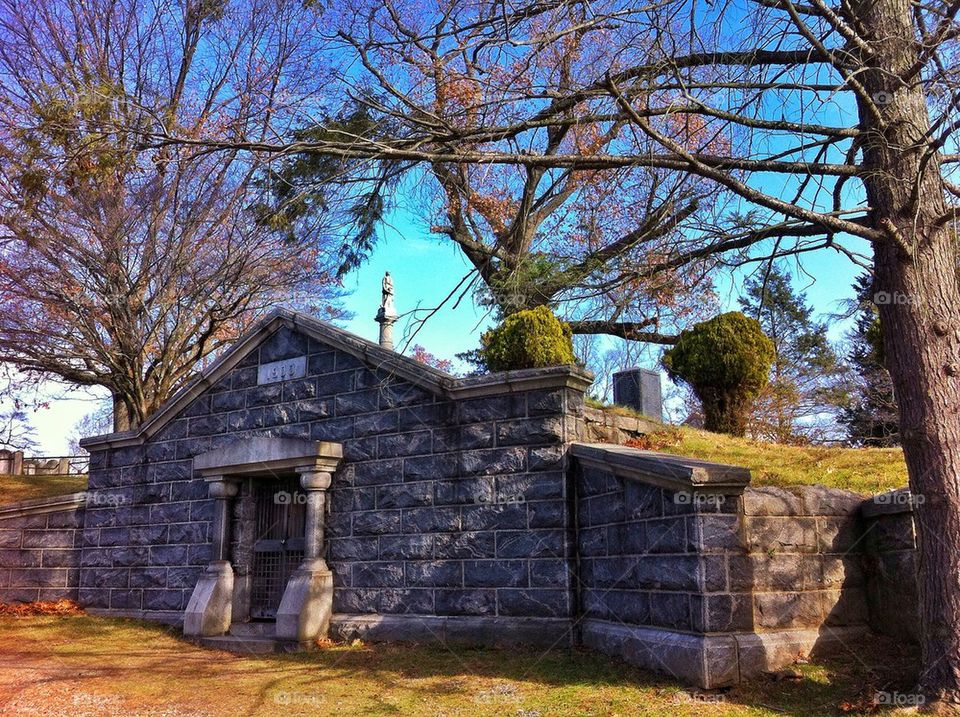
(307,604)
(315,484)
(222,491)
(211,604)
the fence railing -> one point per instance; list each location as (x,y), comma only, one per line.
(15,463)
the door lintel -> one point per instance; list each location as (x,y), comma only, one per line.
(265,456)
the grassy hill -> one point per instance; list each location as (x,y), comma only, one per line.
(864,470)
(16,488)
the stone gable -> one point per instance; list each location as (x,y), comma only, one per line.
(442,506)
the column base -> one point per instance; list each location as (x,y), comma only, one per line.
(211,604)
(307,604)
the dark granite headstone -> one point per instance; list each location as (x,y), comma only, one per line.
(639,388)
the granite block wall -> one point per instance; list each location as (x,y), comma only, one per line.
(440,506)
(468,508)
(638,547)
(800,563)
(716,585)
(768,559)
(40,549)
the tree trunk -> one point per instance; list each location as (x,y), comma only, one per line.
(122,415)
(917,292)
(725,412)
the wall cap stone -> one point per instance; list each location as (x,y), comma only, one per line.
(264,455)
(53,504)
(800,500)
(370,353)
(675,473)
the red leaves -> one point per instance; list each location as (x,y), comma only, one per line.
(30,609)
(425,357)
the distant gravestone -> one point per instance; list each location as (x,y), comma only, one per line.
(639,388)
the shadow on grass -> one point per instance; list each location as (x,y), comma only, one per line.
(123,651)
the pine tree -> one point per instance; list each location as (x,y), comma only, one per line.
(798,404)
(870,417)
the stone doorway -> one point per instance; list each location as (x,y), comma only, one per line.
(278,551)
(278,542)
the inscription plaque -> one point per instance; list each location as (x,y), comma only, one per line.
(282,370)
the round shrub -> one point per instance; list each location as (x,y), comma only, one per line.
(726,361)
(532,338)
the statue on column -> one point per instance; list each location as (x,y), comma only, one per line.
(386,300)
(387,314)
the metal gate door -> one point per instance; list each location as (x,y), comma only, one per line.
(278,547)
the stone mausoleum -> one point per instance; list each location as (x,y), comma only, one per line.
(311,484)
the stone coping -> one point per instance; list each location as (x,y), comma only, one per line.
(263,455)
(51,504)
(372,354)
(675,473)
(629,424)
(889,503)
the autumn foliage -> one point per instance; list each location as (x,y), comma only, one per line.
(32,609)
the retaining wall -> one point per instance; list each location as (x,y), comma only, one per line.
(40,548)
(686,570)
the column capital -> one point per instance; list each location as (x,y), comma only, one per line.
(221,487)
(312,479)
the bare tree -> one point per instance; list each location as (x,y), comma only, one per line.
(124,266)
(578,240)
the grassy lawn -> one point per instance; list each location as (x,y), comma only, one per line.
(14,488)
(83,665)
(864,470)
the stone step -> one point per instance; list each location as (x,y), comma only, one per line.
(253,629)
(244,645)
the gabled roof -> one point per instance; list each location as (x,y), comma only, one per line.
(373,355)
